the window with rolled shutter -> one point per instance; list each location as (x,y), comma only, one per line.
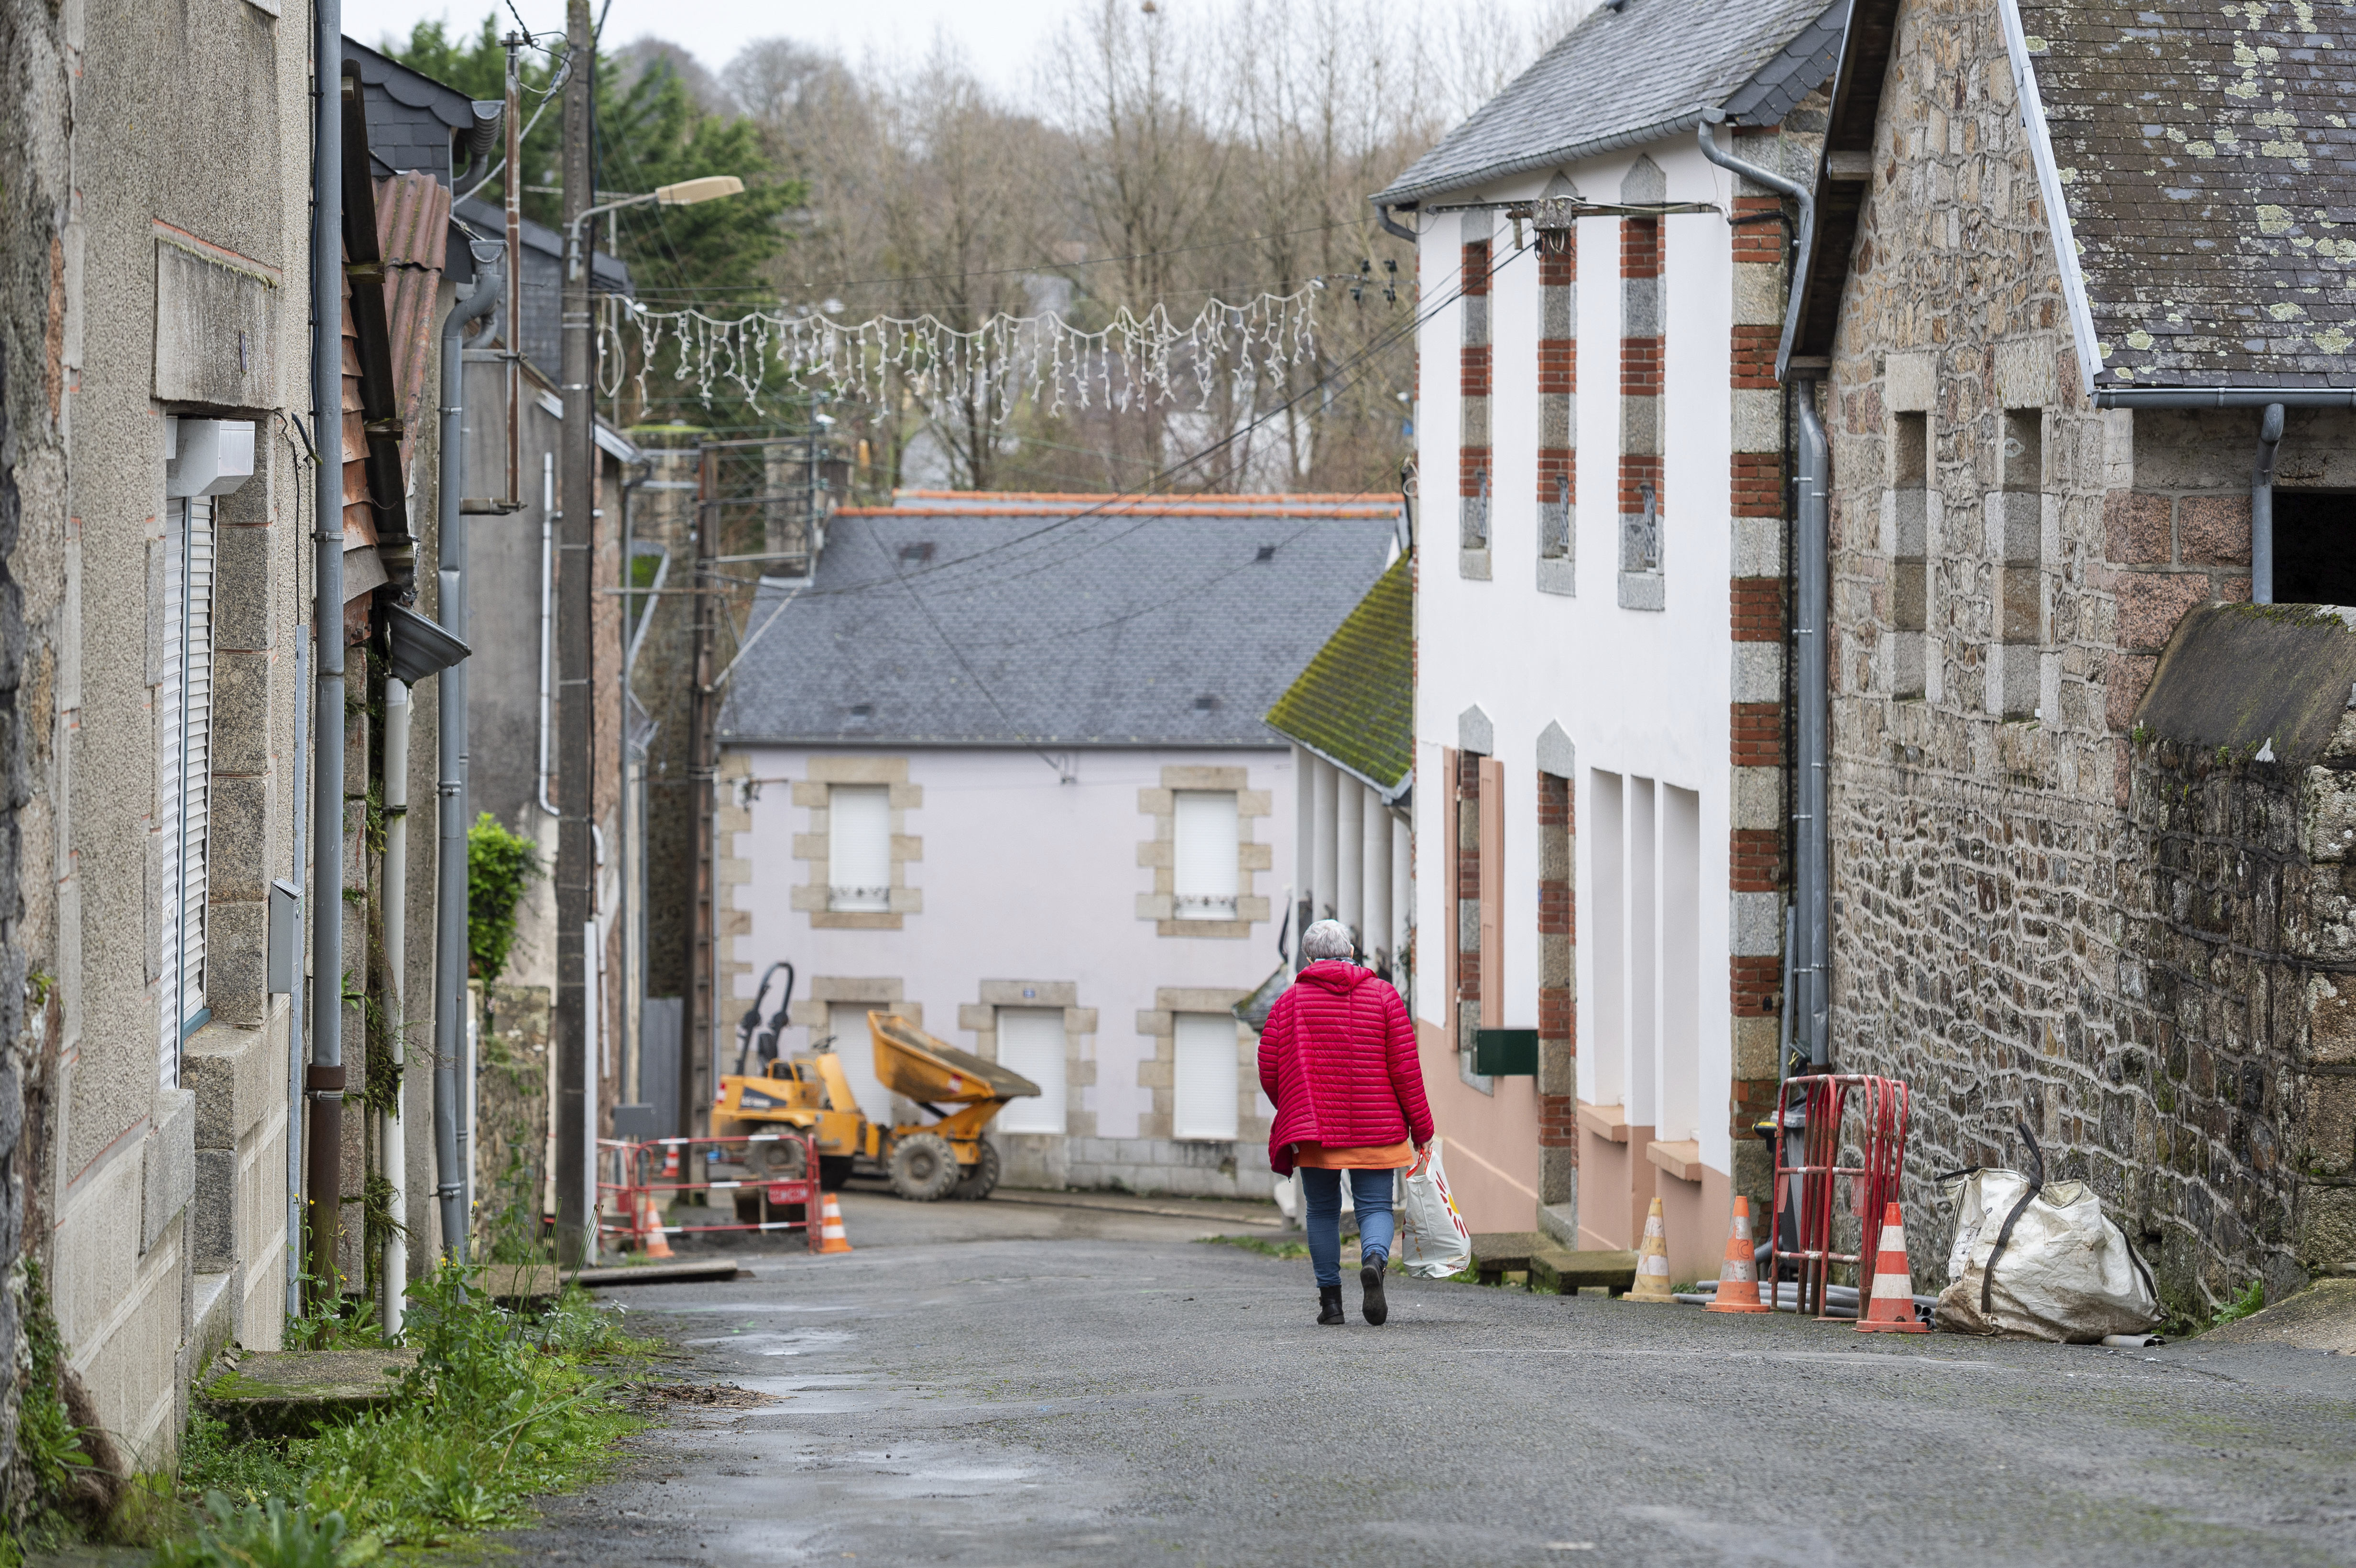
(1206,1075)
(1205,853)
(859,847)
(183,708)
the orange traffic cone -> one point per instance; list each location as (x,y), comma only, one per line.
(1738,1277)
(1652,1261)
(1891,1310)
(831,1238)
(650,1226)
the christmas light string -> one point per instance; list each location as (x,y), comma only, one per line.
(1130,360)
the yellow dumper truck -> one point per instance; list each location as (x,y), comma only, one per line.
(946,1157)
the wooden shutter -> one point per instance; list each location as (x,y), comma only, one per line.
(1205,830)
(859,847)
(1204,1100)
(1492,894)
(1030,1041)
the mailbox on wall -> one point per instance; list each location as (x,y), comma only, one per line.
(1505,1052)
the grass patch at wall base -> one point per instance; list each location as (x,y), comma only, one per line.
(500,1406)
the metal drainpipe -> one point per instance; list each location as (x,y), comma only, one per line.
(1809,651)
(2262,506)
(450,945)
(392,1137)
(325,1080)
(1807,961)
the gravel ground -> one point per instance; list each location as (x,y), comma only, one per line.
(987,1384)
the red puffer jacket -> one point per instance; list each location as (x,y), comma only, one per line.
(1338,1061)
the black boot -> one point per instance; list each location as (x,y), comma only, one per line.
(1329,1304)
(1373,1304)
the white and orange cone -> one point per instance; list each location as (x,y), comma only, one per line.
(1891,1310)
(650,1226)
(1738,1276)
(1652,1261)
(830,1237)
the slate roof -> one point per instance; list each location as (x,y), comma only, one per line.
(2208,161)
(1622,78)
(1042,624)
(1355,705)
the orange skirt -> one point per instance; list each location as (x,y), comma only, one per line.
(1390,1156)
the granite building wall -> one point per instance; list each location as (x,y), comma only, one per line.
(2011,871)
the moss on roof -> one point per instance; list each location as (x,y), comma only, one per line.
(1354,704)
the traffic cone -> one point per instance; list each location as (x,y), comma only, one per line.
(1738,1277)
(1891,1310)
(650,1226)
(1652,1262)
(831,1238)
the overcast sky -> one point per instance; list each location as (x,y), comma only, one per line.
(999,35)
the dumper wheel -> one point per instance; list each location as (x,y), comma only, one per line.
(924,1168)
(980,1178)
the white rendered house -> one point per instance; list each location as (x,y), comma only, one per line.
(1600,614)
(998,767)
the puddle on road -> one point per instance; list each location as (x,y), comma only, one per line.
(793,1342)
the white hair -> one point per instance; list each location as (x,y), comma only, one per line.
(1327,939)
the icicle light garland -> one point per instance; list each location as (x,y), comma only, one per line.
(1120,366)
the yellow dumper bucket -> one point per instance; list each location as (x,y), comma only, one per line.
(914,1064)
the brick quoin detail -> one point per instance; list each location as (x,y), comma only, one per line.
(1475,276)
(1758,244)
(1757,609)
(1754,859)
(1557,476)
(1756,479)
(1471,466)
(1640,367)
(1636,469)
(1557,257)
(1557,1122)
(1557,367)
(1472,376)
(1640,248)
(1754,1101)
(1757,987)
(1752,367)
(1758,734)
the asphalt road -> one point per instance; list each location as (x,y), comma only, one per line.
(988,1384)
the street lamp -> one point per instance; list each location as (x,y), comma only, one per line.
(686,193)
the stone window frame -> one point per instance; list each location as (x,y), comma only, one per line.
(979,1018)
(1158,1073)
(1557,383)
(1159,853)
(1642,546)
(1476,519)
(812,793)
(1909,523)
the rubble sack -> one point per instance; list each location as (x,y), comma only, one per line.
(2039,1261)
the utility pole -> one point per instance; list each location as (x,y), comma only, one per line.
(576,1099)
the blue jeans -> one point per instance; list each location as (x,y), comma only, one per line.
(1370,1194)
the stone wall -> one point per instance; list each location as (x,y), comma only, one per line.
(2035,918)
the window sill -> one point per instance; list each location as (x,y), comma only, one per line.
(1473,565)
(1642,591)
(1225,929)
(1558,574)
(854,919)
(1681,1159)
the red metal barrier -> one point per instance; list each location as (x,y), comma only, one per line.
(1813,1181)
(639,1182)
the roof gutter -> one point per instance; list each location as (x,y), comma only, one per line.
(1408,196)
(1388,793)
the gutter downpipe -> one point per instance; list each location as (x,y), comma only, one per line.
(1805,962)
(392,1137)
(2262,506)
(450,948)
(1393,226)
(548,516)
(323,1081)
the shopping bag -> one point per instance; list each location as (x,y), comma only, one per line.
(1434,1243)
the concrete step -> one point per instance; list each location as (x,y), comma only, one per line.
(1496,1252)
(1561,1272)
(291,1393)
(542,1282)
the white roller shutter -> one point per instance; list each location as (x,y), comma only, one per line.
(1205,854)
(1030,1041)
(1207,1048)
(184,708)
(859,847)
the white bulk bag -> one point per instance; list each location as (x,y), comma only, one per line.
(2067,1272)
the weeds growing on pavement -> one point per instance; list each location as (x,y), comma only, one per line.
(500,1406)
(1259,1244)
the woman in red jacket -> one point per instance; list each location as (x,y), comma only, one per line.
(1337,1060)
